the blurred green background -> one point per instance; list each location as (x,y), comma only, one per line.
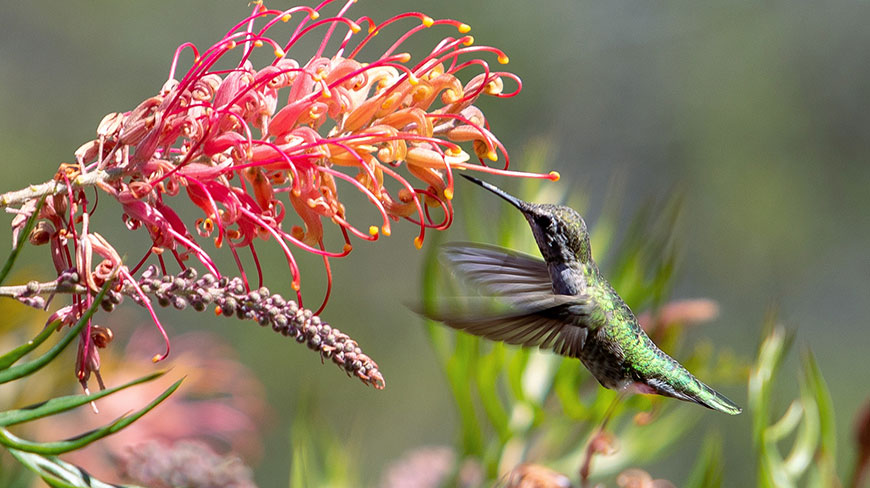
(757,111)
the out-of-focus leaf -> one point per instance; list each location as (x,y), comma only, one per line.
(786,424)
(62,404)
(567,388)
(770,355)
(515,367)
(822,396)
(826,453)
(22,370)
(320,459)
(807,437)
(460,371)
(709,467)
(60,474)
(54,448)
(811,454)
(299,467)
(489,367)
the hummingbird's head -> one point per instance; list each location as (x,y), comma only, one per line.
(560,231)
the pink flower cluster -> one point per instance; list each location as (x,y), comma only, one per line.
(263,144)
(242,141)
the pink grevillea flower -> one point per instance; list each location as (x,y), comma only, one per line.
(245,140)
(242,141)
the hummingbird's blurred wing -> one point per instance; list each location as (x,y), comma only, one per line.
(557,322)
(500,271)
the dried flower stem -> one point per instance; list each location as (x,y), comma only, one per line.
(230,297)
(55,187)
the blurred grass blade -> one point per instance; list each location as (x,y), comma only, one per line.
(515,367)
(60,474)
(807,438)
(811,415)
(22,238)
(817,385)
(709,468)
(62,404)
(299,467)
(60,447)
(786,424)
(22,370)
(488,368)
(14,355)
(460,372)
(566,386)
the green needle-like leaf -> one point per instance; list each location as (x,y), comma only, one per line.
(786,424)
(60,447)
(60,474)
(22,238)
(709,467)
(819,388)
(14,355)
(460,371)
(22,370)
(62,404)
(488,370)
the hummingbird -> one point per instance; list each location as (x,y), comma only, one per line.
(563,303)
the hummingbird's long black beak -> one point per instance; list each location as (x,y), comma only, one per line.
(516,202)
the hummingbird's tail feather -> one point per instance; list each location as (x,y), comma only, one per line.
(701,394)
(516,202)
(714,400)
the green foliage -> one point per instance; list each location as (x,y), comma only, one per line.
(40,457)
(809,419)
(19,243)
(708,471)
(58,473)
(319,458)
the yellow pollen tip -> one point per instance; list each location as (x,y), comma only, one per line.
(217,311)
(492,156)
(354,27)
(448,193)
(386,231)
(413,80)
(554,175)
(469,40)
(464,28)
(404,57)
(373,230)
(156,358)
(231,45)
(279,53)
(313,15)
(428,21)
(286,18)
(347,248)
(418,243)
(295,285)
(503,59)
(258,43)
